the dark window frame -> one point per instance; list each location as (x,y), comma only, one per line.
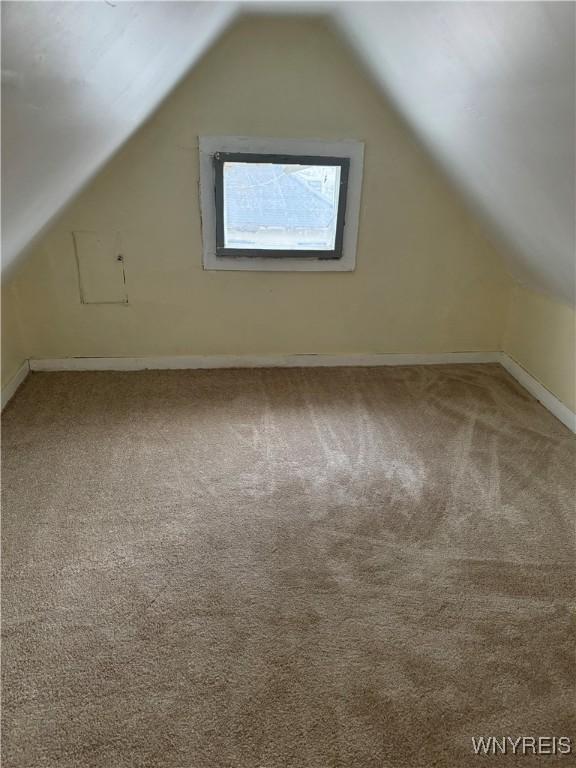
(277,159)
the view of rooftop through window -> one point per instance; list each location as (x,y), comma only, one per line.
(270,206)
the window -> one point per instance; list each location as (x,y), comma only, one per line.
(278,204)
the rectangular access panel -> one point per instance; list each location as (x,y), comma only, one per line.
(101,276)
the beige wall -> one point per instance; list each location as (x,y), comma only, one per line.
(426,279)
(15,316)
(541,337)
(14,350)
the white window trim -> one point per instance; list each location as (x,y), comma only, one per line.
(354,150)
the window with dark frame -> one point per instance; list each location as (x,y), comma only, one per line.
(279,206)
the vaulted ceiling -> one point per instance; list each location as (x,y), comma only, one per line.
(488,87)
(78,78)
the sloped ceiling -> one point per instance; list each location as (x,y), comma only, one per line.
(487,86)
(78,78)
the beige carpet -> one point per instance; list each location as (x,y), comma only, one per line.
(294,568)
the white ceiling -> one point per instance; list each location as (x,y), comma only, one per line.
(77,79)
(487,86)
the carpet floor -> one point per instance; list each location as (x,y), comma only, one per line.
(298,568)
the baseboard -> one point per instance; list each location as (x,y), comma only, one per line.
(9,390)
(250,361)
(539,391)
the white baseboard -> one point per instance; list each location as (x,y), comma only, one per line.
(539,391)
(9,390)
(250,361)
